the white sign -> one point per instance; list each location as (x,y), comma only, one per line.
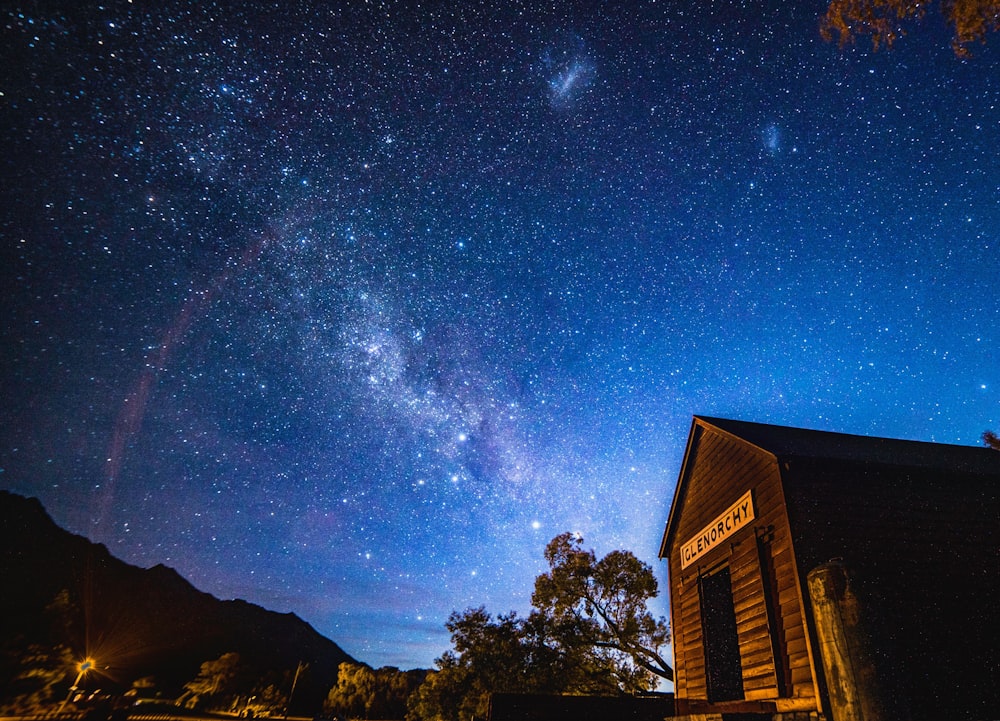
(728,523)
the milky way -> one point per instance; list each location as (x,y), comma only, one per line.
(348,311)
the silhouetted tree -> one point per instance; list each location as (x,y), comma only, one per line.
(600,607)
(489,656)
(589,633)
(992,440)
(884,21)
(393,689)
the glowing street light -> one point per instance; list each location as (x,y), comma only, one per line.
(82,668)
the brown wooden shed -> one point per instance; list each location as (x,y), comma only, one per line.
(913,531)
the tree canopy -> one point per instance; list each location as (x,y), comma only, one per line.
(885,21)
(590,632)
(364,693)
(602,605)
(490,655)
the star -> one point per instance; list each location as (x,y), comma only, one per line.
(279,280)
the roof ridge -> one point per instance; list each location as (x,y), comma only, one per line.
(792,442)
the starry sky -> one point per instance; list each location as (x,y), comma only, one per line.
(348,308)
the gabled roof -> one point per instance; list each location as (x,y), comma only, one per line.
(786,443)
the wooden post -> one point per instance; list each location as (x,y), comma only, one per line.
(845,649)
(298,670)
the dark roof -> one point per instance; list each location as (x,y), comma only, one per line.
(789,443)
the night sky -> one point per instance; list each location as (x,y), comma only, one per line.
(348,311)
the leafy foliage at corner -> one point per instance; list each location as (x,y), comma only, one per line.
(884,21)
(590,633)
(992,440)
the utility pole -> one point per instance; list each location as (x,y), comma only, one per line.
(298,670)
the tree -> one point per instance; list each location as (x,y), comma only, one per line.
(363,693)
(501,655)
(589,633)
(992,440)
(393,689)
(885,20)
(601,606)
(439,697)
(216,685)
(354,692)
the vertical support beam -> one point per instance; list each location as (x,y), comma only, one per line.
(845,650)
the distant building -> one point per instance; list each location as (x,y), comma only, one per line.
(822,575)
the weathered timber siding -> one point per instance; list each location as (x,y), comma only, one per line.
(719,469)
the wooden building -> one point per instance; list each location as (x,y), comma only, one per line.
(903,624)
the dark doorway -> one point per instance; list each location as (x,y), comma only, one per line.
(722,647)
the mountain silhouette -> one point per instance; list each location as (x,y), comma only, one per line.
(57,588)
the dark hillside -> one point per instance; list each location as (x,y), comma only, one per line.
(59,588)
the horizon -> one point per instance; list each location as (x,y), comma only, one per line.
(346,312)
